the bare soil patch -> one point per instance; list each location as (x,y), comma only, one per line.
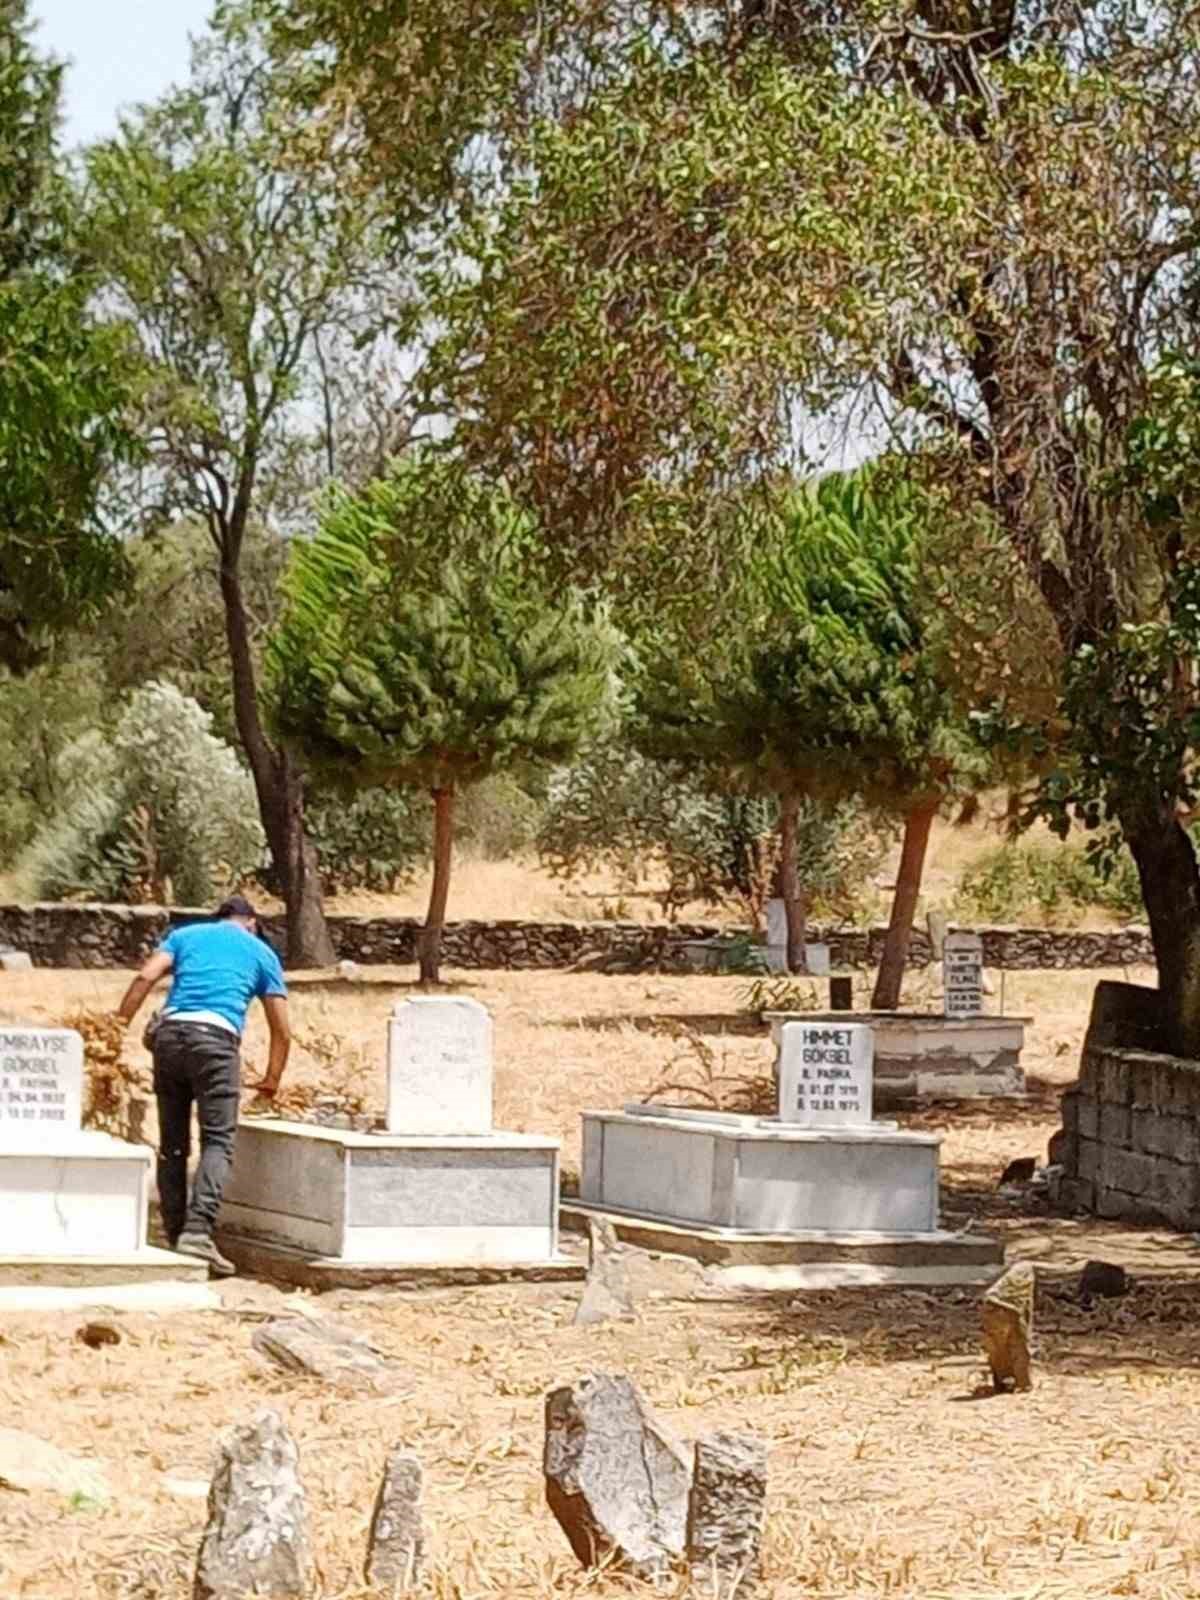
(888,1478)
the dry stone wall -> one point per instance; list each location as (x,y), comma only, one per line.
(63,935)
(1130,1146)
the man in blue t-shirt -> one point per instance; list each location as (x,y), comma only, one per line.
(217,968)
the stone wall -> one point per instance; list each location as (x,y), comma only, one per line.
(1130,1146)
(121,936)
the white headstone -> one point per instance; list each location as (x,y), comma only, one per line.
(439,1067)
(41,1083)
(826,1074)
(962,974)
(776,923)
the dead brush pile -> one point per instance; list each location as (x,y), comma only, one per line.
(115,1092)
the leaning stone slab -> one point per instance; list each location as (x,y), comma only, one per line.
(28,1463)
(725,1513)
(607,1295)
(322,1350)
(256,1541)
(396,1547)
(1008,1327)
(616,1480)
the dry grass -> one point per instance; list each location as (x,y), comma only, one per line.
(887,1479)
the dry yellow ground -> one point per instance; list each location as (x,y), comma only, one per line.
(887,1477)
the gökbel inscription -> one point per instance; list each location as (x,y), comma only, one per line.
(826,1074)
(41,1082)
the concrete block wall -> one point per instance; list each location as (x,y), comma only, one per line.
(1131,1124)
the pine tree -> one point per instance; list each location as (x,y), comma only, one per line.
(421,647)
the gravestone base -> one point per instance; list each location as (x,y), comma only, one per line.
(73,1211)
(932,1057)
(371,1205)
(785,1262)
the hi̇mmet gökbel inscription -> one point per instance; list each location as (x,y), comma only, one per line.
(41,1082)
(826,1074)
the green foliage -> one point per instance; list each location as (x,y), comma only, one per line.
(372,840)
(157,810)
(63,380)
(421,646)
(1057,882)
(652,821)
(42,712)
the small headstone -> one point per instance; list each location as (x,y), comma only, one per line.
(826,1074)
(726,1511)
(616,1480)
(938,925)
(322,1350)
(1102,1280)
(439,1067)
(41,1083)
(1008,1327)
(256,1541)
(607,1296)
(396,1546)
(16,961)
(962,974)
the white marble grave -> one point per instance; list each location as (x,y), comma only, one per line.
(66,1193)
(435,1186)
(822,1165)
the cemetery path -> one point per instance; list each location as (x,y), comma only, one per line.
(888,1476)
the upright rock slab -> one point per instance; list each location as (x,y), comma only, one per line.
(256,1541)
(607,1295)
(726,1511)
(616,1480)
(1008,1327)
(396,1547)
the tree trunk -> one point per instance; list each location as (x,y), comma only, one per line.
(280,794)
(904,908)
(795,902)
(1166,863)
(430,947)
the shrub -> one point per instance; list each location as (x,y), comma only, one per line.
(373,839)
(1054,880)
(160,810)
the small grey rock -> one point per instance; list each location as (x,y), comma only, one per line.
(256,1541)
(396,1547)
(726,1510)
(607,1294)
(15,961)
(322,1350)
(616,1480)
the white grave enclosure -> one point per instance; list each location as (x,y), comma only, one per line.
(962,974)
(822,1165)
(436,1186)
(64,1192)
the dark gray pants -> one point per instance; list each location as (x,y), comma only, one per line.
(194,1062)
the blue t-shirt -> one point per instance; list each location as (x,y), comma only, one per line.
(219,967)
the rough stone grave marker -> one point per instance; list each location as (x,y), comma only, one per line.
(41,1083)
(826,1074)
(439,1067)
(962,972)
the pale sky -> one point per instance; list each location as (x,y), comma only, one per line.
(121,52)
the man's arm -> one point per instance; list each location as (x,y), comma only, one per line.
(159,964)
(276,1008)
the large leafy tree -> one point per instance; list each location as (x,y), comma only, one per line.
(63,379)
(423,647)
(243,270)
(982,224)
(828,679)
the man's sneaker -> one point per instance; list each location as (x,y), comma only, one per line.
(202,1248)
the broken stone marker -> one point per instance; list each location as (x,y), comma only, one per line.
(322,1350)
(1102,1280)
(1019,1171)
(396,1547)
(616,1480)
(725,1512)
(607,1295)
(256,1541)
(1008,1327)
